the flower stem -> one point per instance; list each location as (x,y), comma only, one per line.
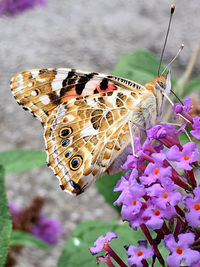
(179,211)
(114,256)
(109,263)
(145,263)
(151,241)
(178,228)
(165,229)
(191,178)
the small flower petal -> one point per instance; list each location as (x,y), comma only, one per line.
(101,242)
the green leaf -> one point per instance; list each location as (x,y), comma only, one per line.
(183,138)
(140,66)
(5,221)
(21,160)
(105,186)
(192,86)
(26,239)
(75,252)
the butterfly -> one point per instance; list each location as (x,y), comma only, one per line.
(89,118)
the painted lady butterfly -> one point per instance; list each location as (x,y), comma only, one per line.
(86,118)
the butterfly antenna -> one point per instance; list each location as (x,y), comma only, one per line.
(180,49)
(166,37)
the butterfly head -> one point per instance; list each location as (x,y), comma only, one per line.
(161,83)
(160,87)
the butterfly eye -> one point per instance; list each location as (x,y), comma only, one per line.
(64,132)
(75,163)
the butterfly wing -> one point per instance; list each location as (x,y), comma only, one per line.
(84,136)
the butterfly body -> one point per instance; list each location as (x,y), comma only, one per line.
(85,117)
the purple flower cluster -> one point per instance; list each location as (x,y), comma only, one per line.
(47,229)
(151,196)
(14,7)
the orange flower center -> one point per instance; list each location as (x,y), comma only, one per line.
(197,206)
(165,195)
(139,253)
(179,251)
(156,171)
(157,212)
(186,157)
(134,202)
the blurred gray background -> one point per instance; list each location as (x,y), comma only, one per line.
(88,35)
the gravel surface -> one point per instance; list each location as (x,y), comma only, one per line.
(88,35)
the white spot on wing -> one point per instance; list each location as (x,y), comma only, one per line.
(45,99)
(70,117)
(35,73)
(57,81)
(19,82)
(33,93)
(91,86)
(19,77)
(20,89)
(91,102)
(41,80)
(89,131)
(61,111)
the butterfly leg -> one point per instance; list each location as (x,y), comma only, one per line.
(132,142)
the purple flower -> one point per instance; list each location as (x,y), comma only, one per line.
(182,109)
(137,254)
(131,208)
(183,159)
(163,196)
(133,162)
(124,185)
(137,220)
(47,229)
(166,134)
(156,132)
(155,172)
(180,250)
(13,7)
(154,216)
(193,205)
(105,259)
(101,242)
(196,128)
(187,103)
